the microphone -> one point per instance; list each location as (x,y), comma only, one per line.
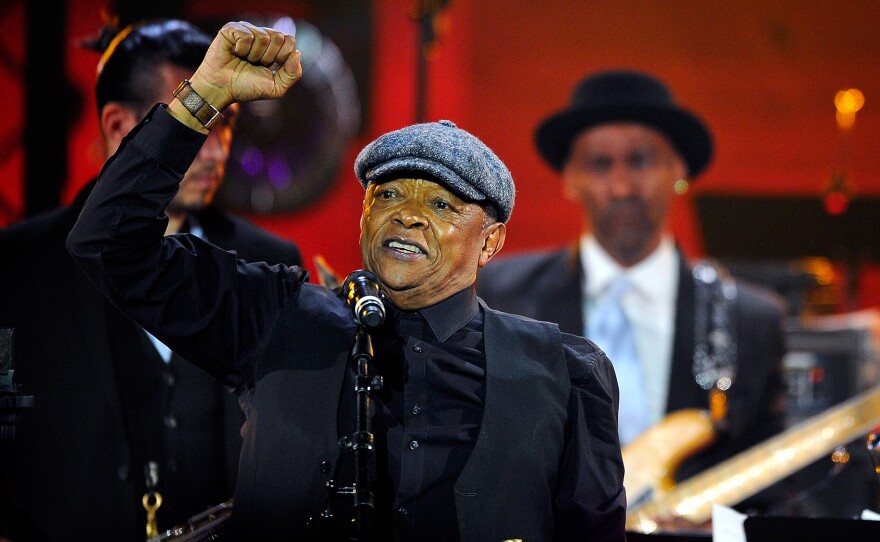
(362,292)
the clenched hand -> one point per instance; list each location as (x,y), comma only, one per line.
(244,63)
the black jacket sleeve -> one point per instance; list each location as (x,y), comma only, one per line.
(590,501)
(201,301)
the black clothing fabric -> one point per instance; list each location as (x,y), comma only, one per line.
(105,401)
(543,464)
(548,286)
(427,414)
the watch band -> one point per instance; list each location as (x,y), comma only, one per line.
(198,107)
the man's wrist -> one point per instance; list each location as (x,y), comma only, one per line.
(217,96)
(198,105)
(200,108)
(182,114)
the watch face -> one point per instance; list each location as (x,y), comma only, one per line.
(190,99)
(287,152)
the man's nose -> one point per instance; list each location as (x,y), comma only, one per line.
(623,180)
(410,216)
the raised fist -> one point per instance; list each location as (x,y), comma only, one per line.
(247,62)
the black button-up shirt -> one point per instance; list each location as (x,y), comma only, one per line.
(427,414)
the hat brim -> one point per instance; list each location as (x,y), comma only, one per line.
(689,135)
(433,170)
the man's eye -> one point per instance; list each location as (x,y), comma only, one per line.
(598,164)
(440,204)
(641,160)
(386,194)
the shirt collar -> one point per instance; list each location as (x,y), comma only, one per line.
(451,314)
(191,226)
(648,277)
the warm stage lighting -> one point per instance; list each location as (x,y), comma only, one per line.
(848,102)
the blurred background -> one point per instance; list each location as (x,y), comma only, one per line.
(788,90)
(791,198)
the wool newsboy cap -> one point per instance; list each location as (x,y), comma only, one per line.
(446,154)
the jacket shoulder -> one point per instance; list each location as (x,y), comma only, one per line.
(759,301)
(505,274)
(37,233)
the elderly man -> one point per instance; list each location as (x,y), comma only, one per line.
(487,427)
(680,336)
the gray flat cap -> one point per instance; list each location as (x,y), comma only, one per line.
(446,153)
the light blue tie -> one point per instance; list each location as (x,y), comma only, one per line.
(610,329)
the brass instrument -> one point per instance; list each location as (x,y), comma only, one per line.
(212,524)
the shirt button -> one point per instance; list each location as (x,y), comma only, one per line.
(170,422)
(326,467)
(413,445)
(416,409)
(417,349)
(169,378)
(403,511)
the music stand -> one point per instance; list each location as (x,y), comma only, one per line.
(774,529)
(668,537)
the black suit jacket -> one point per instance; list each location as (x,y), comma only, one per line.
(69,475)
(547,286)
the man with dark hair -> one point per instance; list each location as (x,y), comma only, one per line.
(680,335)
(138,66)
(127,70)
(118,416)
(487,426)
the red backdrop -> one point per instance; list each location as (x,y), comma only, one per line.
(762,76)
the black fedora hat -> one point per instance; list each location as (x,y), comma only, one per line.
(614,96)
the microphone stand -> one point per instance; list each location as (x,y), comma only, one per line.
(359,443)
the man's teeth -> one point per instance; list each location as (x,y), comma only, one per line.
(406,247)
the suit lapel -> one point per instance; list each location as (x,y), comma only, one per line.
(563,303)
(683,390)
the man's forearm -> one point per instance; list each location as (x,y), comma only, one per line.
(123,221)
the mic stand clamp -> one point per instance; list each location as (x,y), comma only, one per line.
(12,399)
(360,443)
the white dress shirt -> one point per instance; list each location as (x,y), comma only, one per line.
(649,305)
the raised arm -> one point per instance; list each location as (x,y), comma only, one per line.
(201,301)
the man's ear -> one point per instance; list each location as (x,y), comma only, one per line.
(493,242)
(569,190)
(116,121)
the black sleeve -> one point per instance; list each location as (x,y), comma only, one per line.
(590,500)
(201,301)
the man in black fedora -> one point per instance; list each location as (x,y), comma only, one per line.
(680,335)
